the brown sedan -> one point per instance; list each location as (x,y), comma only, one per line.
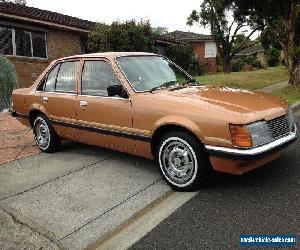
(146,105)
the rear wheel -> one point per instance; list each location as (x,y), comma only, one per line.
(183,162)
(44,134)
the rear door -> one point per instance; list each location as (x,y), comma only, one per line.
(59,97)
(104,120)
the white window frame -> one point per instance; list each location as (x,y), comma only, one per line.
(209,51)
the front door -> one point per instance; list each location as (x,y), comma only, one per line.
(103,120)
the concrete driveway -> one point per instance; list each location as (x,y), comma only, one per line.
(73,197)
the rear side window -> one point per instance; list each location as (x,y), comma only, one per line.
(66,78)
(96,77)
(50,83)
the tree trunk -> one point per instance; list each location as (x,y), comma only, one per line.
(295,73)
(226,65)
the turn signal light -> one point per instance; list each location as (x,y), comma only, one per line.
(241,136)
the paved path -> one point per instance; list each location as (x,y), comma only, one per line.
(76,196)
(271,88)
(16,140)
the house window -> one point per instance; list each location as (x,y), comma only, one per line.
(210,50)
(22,43)
(39,44)
(6,45)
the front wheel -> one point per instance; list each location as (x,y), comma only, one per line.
(44,134)
(183,162)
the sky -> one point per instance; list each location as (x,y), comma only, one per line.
(167,13)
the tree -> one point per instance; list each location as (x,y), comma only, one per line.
(128,36)
(273,55)
(8,82)
(216,15)
(282,21)
(160,30)
(183,55)
(22,2)
(98,38)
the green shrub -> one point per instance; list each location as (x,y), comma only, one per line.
(240,62)
(218,60)
(183,55)
(8,82)
(237,65)
(121,36)
(273,56)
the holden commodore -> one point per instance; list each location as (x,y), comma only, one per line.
(144,104)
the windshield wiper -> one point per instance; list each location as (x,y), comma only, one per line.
(191,82)
(165,84)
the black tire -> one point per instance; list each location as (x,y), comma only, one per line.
(45,135)
(173,161)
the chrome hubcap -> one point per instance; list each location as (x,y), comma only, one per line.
(178,161)
(41,132)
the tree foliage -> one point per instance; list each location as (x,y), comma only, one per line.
(282,25)
(217,15)
(22,2)
(273,55)
(127,36)
(183,55)
(160,30)
(8,82)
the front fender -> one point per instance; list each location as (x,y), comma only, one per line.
(179,121)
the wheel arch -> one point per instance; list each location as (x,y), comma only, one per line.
(36,109)
(170,125)
(33,114)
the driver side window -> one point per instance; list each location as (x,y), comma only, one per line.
(97,76)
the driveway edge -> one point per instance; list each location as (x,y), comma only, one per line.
(296,106)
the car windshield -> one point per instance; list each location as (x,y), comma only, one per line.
(146,73)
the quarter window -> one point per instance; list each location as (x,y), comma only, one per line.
(66,78)
(50,83)
(97,76)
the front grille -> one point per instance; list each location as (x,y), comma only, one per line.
(281,126)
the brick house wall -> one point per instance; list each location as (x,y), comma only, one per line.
(204,46)
(210,63)
(59,44)
(32,38)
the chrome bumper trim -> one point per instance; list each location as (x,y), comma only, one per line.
(256,152)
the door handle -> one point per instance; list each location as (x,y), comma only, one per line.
(83,104)
(45,99)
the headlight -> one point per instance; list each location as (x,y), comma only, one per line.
(260,133)
(251,135)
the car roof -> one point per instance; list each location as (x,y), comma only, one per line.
(108,55)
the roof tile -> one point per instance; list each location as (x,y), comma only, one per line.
(44,15)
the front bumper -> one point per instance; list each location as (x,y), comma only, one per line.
(253,153)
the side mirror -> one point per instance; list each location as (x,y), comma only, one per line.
(116,90)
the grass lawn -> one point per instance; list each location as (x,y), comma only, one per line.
(290,93)
(249,80)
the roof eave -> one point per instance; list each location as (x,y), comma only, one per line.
(50,24)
